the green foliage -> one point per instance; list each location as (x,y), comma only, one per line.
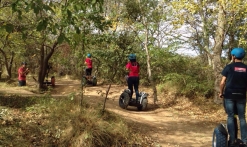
(189,85)
(188,75)
(81,26)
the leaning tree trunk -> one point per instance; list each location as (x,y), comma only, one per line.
(45,55)
(8,63)
(1,67)
(9,67)
(219,38)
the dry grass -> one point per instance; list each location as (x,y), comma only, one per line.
(199,108)
(46,121)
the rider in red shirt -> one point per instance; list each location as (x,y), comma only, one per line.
(133,77)
(22,72)
(89,63)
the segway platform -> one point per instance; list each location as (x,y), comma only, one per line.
(220,134)
(85,81)
(125,101)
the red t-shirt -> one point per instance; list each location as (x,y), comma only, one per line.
(133,69)
(89,62)
(21,76)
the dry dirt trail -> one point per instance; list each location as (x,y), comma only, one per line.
(168,127)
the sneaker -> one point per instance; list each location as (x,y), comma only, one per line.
(243,145)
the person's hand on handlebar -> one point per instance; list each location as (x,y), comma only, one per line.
(221,95)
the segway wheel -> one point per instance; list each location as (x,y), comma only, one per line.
(219,138)
(94,81)
(143,105)
(83,81)
(124,100)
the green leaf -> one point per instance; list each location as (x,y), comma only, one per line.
(40,26)
(78,31)
(47,8)
(9,28)
(24,36)
(66,39)
(14,5)
(61,38)
(36,9)
(75,8)
(45,23)
(69,14)
(19,12)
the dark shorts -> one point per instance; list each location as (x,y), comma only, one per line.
(88,71)
(22,83)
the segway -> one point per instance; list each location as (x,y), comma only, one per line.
(220,134)
(85,81)
(125,101)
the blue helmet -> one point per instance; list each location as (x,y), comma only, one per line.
(89,55)
(24,63)
(239,53)
(132,56)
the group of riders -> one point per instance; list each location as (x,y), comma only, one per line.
(233,87)
(132,67)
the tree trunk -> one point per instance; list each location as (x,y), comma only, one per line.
(205,45)
(219,38)
(44,60)
(149,69)
(1,67)
(8,64)
(9,67)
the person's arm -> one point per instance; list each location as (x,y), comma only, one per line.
(25,72)
(127,67)
(222,86)
(21,72)
(85,62)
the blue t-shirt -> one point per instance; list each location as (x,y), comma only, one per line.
(236,80)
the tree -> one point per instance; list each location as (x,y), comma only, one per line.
(215,28)
(145,18)
(55,20)
(219,38)
(10,36)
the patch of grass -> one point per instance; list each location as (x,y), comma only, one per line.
(47,121)
(16,101)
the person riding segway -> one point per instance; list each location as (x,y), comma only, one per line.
(133,68)
(132,79)
(87,78)
(233,89)
(89,64)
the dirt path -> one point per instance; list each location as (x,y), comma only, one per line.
(169,127)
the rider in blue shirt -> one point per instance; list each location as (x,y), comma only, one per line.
(233,87)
